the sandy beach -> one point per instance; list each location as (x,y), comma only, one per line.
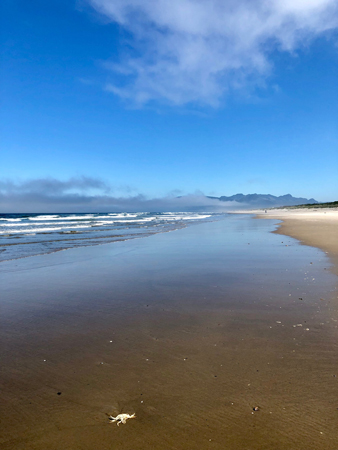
(314,227)
(221,335)
(139,308)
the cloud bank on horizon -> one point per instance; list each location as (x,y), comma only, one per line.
(195,51)
(49,195)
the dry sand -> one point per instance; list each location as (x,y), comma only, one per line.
(314,227)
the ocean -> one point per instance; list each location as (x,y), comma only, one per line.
(23,235)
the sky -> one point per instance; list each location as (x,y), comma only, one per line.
(145,99)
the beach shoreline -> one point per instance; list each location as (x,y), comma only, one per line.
(313,227)
(191,331)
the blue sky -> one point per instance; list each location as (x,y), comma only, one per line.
(163,98)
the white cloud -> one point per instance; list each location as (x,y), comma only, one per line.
(76,195)
(195,50)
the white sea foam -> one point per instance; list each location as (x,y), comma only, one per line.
(52,217)
(41,224)
(56,222)
(146,219)
(121,221)
(49,218)
(30,227)
(172,217)
(184,216)
(13,225)
(124,215)
(86,217)
(125,221)
(41,230)
(116,216)
(197,217)
(102,217)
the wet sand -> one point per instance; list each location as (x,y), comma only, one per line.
(317,228)
(190,330)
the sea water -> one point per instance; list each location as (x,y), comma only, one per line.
(23,235)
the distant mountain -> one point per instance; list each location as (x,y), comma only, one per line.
(266,200)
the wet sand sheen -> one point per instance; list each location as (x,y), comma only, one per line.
(180,329)
(318,228)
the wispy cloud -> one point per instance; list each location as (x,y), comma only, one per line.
(76,195)
(194,51)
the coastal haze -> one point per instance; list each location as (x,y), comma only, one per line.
(88,194)
(25,235)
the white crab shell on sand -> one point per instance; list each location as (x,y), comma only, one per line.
(121,418)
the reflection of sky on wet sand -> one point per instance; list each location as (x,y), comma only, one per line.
(237,253)
(183,326)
